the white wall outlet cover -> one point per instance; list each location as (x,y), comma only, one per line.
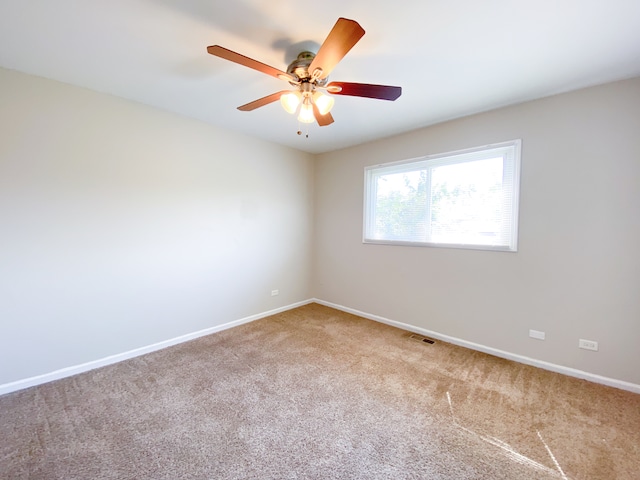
(537,334)
(588,344)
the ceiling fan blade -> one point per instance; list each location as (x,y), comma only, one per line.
(323,120)
(342,37)
(261,102)
(381,92)
(232,56)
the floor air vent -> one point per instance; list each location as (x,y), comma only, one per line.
(421,338)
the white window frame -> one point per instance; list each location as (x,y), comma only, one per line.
(510,152)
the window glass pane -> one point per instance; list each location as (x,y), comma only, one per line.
(401,206)
(466,202)
(467,199)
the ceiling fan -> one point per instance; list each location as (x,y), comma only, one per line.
(309,75)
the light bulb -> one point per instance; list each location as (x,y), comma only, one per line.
(306,113)
(290,101)
(323,102)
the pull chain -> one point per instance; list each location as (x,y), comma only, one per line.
(299,132)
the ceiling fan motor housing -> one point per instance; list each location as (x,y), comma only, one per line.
(300,68)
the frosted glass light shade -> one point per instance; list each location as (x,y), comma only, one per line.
(290,101)
(323,102)
(306,113)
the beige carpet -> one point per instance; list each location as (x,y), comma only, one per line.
(314,393)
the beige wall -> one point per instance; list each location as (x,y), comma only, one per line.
(577,271)
(123,226)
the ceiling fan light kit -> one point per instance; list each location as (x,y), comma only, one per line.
(290,101)
(309,73)
(305,97)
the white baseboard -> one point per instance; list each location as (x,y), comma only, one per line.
(572,372)
(74,370)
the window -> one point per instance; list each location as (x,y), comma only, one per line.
(466,199)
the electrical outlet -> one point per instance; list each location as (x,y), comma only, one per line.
(538,335)
(588,345)
(275,292)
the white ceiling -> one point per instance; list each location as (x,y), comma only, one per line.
(451,57)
